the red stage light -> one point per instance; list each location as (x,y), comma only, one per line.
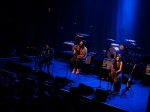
(49,9)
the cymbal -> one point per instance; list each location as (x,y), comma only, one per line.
(129,40)
(114,44)
(110,39)
(133,43)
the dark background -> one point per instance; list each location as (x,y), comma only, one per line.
(25,22)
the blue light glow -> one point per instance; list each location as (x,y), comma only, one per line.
(126,19)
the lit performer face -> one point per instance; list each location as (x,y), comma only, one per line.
(47,46)
(117,58)
(81,44)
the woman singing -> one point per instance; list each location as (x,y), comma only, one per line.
(115,76)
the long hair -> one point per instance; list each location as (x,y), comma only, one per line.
(83,42)
(118,55)
(115,61)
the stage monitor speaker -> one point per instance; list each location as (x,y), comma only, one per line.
(73,90)
(101,95)
(84,89)
(24,59)
(61,81)
(16,67)
(42,76)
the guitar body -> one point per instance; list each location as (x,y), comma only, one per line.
(76,52)
(46,53)
(113,76)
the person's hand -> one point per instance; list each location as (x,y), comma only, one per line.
(116,72)
(79,56)
(113,70)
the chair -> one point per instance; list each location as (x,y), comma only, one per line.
(85,63)
(128,85)
(111,84)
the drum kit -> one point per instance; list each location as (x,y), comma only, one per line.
(128,51)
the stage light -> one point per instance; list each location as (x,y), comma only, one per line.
(49,9)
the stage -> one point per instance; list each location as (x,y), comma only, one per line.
(136,103)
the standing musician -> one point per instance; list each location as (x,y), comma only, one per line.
(79,55)
(115,76)
(47,55)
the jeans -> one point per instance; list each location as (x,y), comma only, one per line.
(76,62)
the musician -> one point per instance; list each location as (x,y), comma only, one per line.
(79,55)
(47,55)
(115,76)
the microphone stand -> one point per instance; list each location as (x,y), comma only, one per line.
(101,77)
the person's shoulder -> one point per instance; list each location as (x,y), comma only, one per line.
(85,47)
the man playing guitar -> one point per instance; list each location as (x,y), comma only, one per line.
(47,55)
(79,55)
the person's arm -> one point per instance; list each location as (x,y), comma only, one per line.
(85,53)
(112,68)
(74,51)
(50,53)
(120,68)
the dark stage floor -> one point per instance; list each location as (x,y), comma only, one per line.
(137,103)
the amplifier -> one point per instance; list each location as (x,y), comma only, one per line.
(107,62)
(148,69)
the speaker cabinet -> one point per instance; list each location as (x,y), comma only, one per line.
(84,89)
(101,95)
(41,76)
(61,81)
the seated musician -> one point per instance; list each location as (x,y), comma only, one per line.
(115,76)
(79,55)
(47,55)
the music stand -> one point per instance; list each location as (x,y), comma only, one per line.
(128,85)
(100,79)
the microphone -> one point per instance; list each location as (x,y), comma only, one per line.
(41,46)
